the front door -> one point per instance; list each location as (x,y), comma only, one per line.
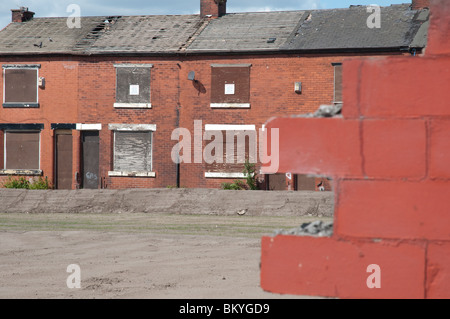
(90,159)
(63,153)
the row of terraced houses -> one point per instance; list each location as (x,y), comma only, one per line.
(95,105)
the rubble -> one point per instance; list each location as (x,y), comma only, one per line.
(316,229)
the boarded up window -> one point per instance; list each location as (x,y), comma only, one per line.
(337,82)
(133,151)
(306,183)
(133,85)
(21,85)
(22,150)
(230,84)
(231,154)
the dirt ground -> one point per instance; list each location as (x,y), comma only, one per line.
(142,256)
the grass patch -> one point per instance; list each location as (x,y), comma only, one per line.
(207,225)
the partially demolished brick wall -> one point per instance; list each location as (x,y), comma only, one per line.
(389,155)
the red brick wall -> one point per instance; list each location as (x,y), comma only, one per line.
(58,104)
(83,91)
(97,97)
(389,157)
(272,94)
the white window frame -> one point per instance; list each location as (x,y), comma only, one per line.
(21,67)
(227,127)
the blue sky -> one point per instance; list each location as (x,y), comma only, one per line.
(58,8)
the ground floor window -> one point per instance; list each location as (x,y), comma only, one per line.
(133,150)
(230,147)
(22,150)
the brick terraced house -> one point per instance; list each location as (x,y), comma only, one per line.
(96,106)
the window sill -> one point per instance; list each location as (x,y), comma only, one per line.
(21,172)
(21,105)
(225,175)
(132,174)
(230,105)
(132,105)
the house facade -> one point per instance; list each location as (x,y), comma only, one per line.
(110,104)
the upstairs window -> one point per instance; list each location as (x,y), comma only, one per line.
(230,86)
(337,83)
(20,85)
(133,89)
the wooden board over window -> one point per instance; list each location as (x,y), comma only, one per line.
(230,84)
(337,82)
(22,150)
(20,86)
(132,151)
(233,162)
(133,85)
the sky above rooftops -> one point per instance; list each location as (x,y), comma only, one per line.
(58,8)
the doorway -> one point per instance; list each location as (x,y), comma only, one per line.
(90,159)
(63,159)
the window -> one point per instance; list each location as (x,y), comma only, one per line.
(337,82)
(230,147)
(133,147)
(20,85)
(230,86)
(133,85)
(21,152)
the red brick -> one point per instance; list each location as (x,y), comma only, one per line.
(325,146)
(438,271)
(440,149)
(332,268)
(394,148)
(438,34)
(394,209)
(351,79)
(404,87)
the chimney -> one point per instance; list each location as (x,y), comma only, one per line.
(21,15)
(420,4)
(213,8)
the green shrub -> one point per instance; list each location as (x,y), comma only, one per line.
(236,186)
(250,180)
(41,184)
(20,183)
(250,172)
(23,183)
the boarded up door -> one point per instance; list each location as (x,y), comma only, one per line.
(63,159)
(277,182)
(91,152)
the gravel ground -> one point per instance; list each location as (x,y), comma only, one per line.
(140,256)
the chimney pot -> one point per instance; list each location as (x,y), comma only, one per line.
(21,15)
(213,8)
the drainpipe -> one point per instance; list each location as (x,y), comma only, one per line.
(177,124)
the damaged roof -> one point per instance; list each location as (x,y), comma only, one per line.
(156,34)
(348,29)
(247,32)
(283,31)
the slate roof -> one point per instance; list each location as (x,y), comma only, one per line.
(283,31)
(248,32)
(157,34)
(347,29)
(45,35)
